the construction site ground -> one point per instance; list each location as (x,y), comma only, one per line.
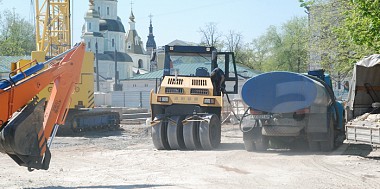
(128,159)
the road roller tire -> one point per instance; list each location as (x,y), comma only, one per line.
(159,136)
(191,135)
(210,133)
(175,133)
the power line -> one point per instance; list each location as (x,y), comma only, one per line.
(196,8)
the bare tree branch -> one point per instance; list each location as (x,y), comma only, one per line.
(210,34)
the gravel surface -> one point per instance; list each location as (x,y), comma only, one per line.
(127,159)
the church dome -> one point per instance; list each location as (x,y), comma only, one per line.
(92,13)
(111,25)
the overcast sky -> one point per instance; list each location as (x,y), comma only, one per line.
(180,19)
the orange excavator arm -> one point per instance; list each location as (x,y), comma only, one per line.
(25,125)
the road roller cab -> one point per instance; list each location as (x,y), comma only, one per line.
(185,107)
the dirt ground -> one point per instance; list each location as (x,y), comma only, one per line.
(127,159)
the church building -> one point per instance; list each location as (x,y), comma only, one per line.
(135,48)
(105,35)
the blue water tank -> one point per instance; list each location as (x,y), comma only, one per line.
(283,92)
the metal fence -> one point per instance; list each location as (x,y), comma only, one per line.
(131,99)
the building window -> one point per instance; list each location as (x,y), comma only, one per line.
(134,85)
(113,42)
(99,10)
(89,26)
(146,85)
(108,11)
(89,45)
(140,64)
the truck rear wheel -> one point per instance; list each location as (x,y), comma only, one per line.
(314,146)
(261,141)
(159,135)
(249,145)
(254,140)
(328,145)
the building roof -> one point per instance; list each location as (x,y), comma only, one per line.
(187,69)
(111,25)
(92,13)
(151,43)
(109,55)
(134,48)
(95,34)
(5,62)
(181,43)
(245,72)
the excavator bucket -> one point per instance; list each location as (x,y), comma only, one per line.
(22,137)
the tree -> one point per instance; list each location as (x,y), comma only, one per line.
(16,35)
(234,43)
(260,52)
(341,33)
(211,36)
(295,39)
(284,49)
(361,26)
(325,49)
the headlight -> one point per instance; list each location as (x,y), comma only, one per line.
(163,99)
(209,101)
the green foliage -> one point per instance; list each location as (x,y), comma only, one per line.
(342,32)
(306,4)
(16,35)
(284,49)
(362,25)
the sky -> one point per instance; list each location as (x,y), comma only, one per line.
(182,19)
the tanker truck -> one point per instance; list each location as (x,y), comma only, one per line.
(289,108)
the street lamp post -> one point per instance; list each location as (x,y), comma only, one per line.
(97,65)
(117,86)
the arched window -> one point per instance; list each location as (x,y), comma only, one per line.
(141,63)
(89,45)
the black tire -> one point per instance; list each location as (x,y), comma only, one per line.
(254,140)
(210,133)
(313,145)
(159,136)
(249,145)
(191,135)
(261,142)
(175,133)
(327,146)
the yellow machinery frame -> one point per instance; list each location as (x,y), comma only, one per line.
(53,26)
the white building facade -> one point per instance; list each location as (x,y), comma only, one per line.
(104,35)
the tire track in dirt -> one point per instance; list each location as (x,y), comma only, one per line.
(320,163)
